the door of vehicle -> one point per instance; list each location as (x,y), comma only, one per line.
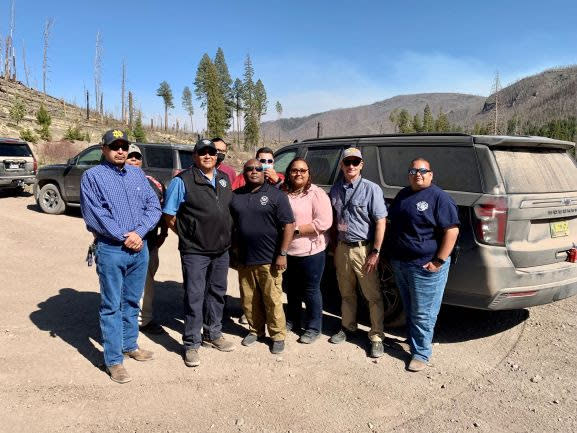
(159,162)
(73,173)
(323,163)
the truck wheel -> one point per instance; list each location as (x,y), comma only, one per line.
(50,200)
(394,312)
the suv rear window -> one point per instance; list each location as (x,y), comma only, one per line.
(536,171)
(186,158)
(322,162)
(9,149)
(157,157)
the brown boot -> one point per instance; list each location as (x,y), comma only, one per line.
(140,355)
(416,365)
(118,373)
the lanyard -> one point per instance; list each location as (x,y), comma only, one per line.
(345,205)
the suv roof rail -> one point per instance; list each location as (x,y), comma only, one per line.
(417,134)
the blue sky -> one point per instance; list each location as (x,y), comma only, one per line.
(311,56)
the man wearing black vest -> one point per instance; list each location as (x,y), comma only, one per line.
(197,209)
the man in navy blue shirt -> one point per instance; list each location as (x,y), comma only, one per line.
(264,229)
(119,208)
(423,231)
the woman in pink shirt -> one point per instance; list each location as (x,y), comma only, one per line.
(306,254)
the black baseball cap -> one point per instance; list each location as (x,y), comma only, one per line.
(113,135)
(201,144)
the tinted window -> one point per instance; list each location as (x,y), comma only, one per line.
(92,157)
(322,163)
(158,157)
(454,168)
(14,150)
(528,171)
(282,160)
(370,164)
(185,158)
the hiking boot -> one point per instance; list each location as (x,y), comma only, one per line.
(151,328)
(277,347)
(118,373)
(309,337)
(140,355)
(220,343)
(339,337)
(250,339)
(377,349)
(191,358)
(416,365)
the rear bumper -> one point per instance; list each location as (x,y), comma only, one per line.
(14,181)
(521,297)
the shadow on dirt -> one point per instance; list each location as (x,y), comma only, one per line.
(14,192)
(70,211)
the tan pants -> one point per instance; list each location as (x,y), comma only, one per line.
(349,263)
(145,315)
(261,298)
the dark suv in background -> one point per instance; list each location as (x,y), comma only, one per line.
(58,185)
(517,199)
(17,164)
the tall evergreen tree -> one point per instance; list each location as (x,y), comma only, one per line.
(216,120)
(251,124)
(428,120)
(237,97)
(417,124)
(442,123)
(260,99)
(165,93)
(404,122)
(225,83)
(187,104)
(200,87)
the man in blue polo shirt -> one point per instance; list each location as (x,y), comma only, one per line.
(119,208)
(264,229)
(423,232)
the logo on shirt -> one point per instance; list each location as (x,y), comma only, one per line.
(422,206)
(222,183)
(264,200)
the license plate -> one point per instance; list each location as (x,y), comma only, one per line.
(14,166)
(559,229)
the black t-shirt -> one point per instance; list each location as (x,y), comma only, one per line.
(259,219)
(418,220)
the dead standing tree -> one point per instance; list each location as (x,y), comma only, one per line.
(46,37)
(496,89)
(98,71)
(123,109)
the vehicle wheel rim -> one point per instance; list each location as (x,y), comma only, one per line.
(391,295)
(51,199)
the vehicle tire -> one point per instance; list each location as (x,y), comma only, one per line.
(393,304)
(50,200)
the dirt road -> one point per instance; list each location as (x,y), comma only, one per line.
(505,371)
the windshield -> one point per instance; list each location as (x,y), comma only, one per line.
(537,170)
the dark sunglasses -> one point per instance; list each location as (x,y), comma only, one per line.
(209,150)
(135,156)
(353,161)
(266,161)
(250,168)
(116,146)
(421,171)
(299,170)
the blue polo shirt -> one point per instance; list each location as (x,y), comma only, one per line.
(259,218)
(418,220)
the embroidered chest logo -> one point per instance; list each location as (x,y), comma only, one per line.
(422,206)
(264,200)
(222,183)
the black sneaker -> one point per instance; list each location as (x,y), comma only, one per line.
(339,337)
(377,349)
(277,347)
(249,340)
(309,337)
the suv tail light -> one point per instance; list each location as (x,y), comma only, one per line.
(491,221)
(35,165)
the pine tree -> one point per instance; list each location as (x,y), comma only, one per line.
(216,120)
(417,125)
(165,93)
(200,81)
(237,94)
(17,111)
(442,123)
(251,125)
(404,122)
(260,99)
(225,83)
(187,104)
(138,130)
(428,121)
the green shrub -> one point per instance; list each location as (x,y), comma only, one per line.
(44,133)
(28,135)
(73,133)
(17,111)
(43,117)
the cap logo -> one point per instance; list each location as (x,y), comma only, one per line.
(117,133)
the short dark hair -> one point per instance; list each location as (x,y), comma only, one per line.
(218,139)
(421,159)
(288,185)
(264,150)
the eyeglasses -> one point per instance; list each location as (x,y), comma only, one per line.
(421,171)
(250,168)
(134,156)
(352,161)
(266,161)
(299,170)
(207,150)
(115,146)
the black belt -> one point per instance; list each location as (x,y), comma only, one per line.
(355,244)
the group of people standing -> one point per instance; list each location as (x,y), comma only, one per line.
(280,227)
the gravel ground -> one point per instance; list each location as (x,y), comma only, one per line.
(502,371)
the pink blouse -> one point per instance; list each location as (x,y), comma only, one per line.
(312,207)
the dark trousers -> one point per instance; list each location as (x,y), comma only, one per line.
(204,279)
(303,282)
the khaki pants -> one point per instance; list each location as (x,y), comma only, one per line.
(349,263)
(145,314)
(261,298)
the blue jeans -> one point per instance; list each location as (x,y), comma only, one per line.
(122,274)
(302,280)
(205,281)
(421,293)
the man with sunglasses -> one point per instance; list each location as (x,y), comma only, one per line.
(360,217)
(154,239)
(265,156)
(197,209)
(263,230)
(119,207)
(423,232)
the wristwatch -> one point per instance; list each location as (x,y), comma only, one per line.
(439,260)
(283,253)
(375,251)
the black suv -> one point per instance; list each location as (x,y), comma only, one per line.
(58,186)
(17,164)
(517,199)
